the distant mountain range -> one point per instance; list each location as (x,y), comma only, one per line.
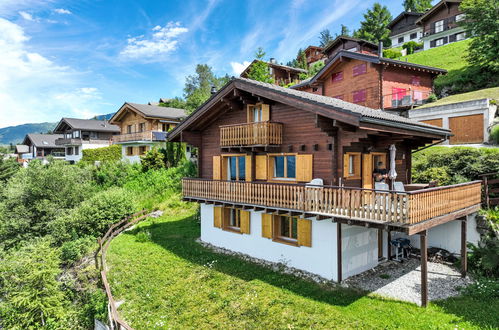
(16,134)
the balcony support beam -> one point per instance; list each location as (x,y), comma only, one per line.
(424,268)
(339,252)
(464,252)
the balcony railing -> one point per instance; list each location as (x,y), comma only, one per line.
(344,202)
(405,98)
(140,136)
(251,134)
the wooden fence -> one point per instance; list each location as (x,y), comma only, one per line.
(356,203)
(100,262)
(259,133)
(490,189)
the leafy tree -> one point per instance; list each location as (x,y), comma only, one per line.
(411,46)
(482,24)
(8,167)
(391,53)
(417,6)
(259,70)
(30,296)
(173,154)
(153,160)
(176,102)
(325,38)
(374,26)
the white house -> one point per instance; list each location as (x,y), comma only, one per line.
(404,28)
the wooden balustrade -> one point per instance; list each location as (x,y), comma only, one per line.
(355,203)
(138,136)
(260,133)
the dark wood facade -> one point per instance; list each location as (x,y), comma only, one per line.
(350,44)
(406,21)
(445,11)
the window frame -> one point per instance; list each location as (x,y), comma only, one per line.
(226,163)
(460,17)
(413,36)
(400,41)
(337,77)
(129,151)
(358,91)
(142,150)
(234,213)
(357,172)
(272,158)
(357,72)
(129,129)
(142,127)
(439,26)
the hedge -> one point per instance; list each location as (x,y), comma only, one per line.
(111,153)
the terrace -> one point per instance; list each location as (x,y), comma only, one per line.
(140,136)
(264,133)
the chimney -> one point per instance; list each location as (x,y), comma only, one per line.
(380,49)
(213,89)
(272,60)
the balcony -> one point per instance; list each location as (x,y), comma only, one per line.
(140,136)
(251,134)
(408,210)
(404,99)
(80,141)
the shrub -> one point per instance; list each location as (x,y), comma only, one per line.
(483,258)
(483,288)
(8,167)
(114,174)
(439,174)
(392,53)
(153,160)
(143,236)
(432,98)
(411,46)
(74,250)
(494,134)
(110,153)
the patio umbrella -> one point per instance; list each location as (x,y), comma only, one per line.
(392,174)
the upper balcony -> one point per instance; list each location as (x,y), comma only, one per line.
(409,211)
(153,136)
(405,99)
(255,134)
(80,141)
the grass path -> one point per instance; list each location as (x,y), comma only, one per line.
(170,281)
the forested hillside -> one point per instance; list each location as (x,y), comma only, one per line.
(15,134)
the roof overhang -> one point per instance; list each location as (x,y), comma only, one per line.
(402,15)
(432,10)
(343,39)
(60,126)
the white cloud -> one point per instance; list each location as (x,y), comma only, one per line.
(237,67)
(162,41)
(26,16)
(62,11)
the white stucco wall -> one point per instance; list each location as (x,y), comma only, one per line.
(427,40)
(359,246)
(407,37)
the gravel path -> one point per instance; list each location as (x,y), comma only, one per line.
(402,281)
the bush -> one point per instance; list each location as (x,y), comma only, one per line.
(484,258)
(411,46)
(114,174)
(483,288)
(110,153)
(153,160)
(432,98)
(439,174)
(143,236)
(8,167)
(392,53)
(494,134)
(74,250)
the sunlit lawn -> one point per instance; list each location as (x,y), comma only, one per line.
(171,281)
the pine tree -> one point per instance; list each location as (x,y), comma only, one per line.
(325,38)
(374,26)
(417,6)
(259,70)
(344,30)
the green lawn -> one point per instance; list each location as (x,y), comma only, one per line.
(491,93)
(170,281)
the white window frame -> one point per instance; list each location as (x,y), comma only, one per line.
(460,17)
(439,42)
(462,34)
(439,26)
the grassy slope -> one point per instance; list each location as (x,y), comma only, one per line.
(491,93)
(173,282)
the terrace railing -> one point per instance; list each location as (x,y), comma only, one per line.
(248,134)
(140,136)
(345,202)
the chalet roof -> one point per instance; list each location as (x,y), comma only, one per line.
(341,39)
(87,125)
(327,105)
(372,59)
(313,47)
(22,149)
(151,111)
(401,16)
(435,8)
(43,140)
(273,65)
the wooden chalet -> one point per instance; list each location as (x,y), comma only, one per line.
(373,81)
(288,175)
(282,74)
(313,54)
(352,45)
(41,146)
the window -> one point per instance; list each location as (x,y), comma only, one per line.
(359,69)
(142,127)
(236,168)
(234,221)
(413,35)
(69,151)
(351,166)
(129,151)
(284,167)
(460,17)
(256,113)
(439,26)
(287,228)
(439,42)
(129,129)
(231,219)
(398,93)
(460,36)
(77,150)
(416,81)
(337,76)
(353,49)
(359,96)
(314,89)
(76,134)
(142,150)
(68,135)
(401,40)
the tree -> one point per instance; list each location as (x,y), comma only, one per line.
(482,24)
(153,160)
(344,30)
(417,6)
(325,38)
(176,102)
(8,167)
(374,26)
(173,154)
(301,59)
(259,70)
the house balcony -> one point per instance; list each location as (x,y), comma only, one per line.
(251,135)
(153,136)
(410,211)
(79,142)
(405,99)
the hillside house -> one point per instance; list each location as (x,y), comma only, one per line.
(287,176)
(403,28)
(41,146)
(351,44)
(373,81)
(80,134)
(441,24)
(282,74)
(313,54)
(143,126)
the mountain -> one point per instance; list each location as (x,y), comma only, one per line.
(104,117)
(15,134)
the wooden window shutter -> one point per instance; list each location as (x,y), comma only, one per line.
(245,222)
(304,232)
(249,112)
(266,225)
(225,216)
(217,217)
(265,112)
(249,167)
(216,168)
(356,164)
(304,164)
(346,162)
(367,171)
(261,167)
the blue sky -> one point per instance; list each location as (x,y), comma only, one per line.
(86,57)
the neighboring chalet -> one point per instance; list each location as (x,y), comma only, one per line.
(282,74)
(313,54)
(350,44)
(404,28)
(143,126)
(441,24)
(288,175)
(80,134)
(41,146)
(22,153)
(373,81)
